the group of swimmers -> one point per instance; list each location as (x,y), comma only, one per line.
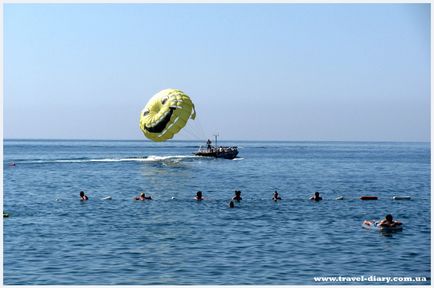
(141,197)
(387,222)
(199,196)
(237,197)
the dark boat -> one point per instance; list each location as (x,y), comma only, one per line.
(225,152)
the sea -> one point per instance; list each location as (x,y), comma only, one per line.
(53,238)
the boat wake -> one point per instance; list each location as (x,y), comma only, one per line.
(151,158)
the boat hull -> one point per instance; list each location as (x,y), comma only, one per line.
(217,154)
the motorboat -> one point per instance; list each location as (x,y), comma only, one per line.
(225,152)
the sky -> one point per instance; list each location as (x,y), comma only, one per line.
(287,72)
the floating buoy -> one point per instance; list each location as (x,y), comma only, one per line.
(340,198)
(401,198)
(369,198)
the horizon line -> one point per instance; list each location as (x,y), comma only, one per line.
(230,140)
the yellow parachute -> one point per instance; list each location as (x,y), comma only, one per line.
(166,114)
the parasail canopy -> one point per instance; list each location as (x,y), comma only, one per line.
(165,114)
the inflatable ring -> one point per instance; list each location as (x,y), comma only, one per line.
(166,114)
(375,225)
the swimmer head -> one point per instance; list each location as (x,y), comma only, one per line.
(389,217)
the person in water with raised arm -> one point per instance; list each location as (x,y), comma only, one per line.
(276,196)
(389,222)
(316,197)
(83,197)
(198,196)
(143,197)
(237,196)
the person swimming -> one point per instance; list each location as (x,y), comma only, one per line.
(198,196)
(389,222)
(316,197)
(276,196)
(143,197)
(237,196)
(83,197)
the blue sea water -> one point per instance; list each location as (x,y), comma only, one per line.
(51,237)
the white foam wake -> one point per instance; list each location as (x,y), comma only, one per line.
(151,158)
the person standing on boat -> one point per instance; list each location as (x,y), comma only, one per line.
(208,143)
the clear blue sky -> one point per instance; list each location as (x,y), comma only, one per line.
(254,71)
